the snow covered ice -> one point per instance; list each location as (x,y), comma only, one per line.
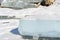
(6,26)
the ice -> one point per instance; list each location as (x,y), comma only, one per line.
(47,13)
(39,27)
(18,3)
(31,0)
(44,21)
(52,13)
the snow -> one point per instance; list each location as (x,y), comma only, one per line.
(8,26)
(5,29)
(52,11)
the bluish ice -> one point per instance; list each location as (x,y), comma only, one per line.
(42,28)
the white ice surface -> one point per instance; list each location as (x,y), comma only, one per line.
(53,11)
(5,28)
